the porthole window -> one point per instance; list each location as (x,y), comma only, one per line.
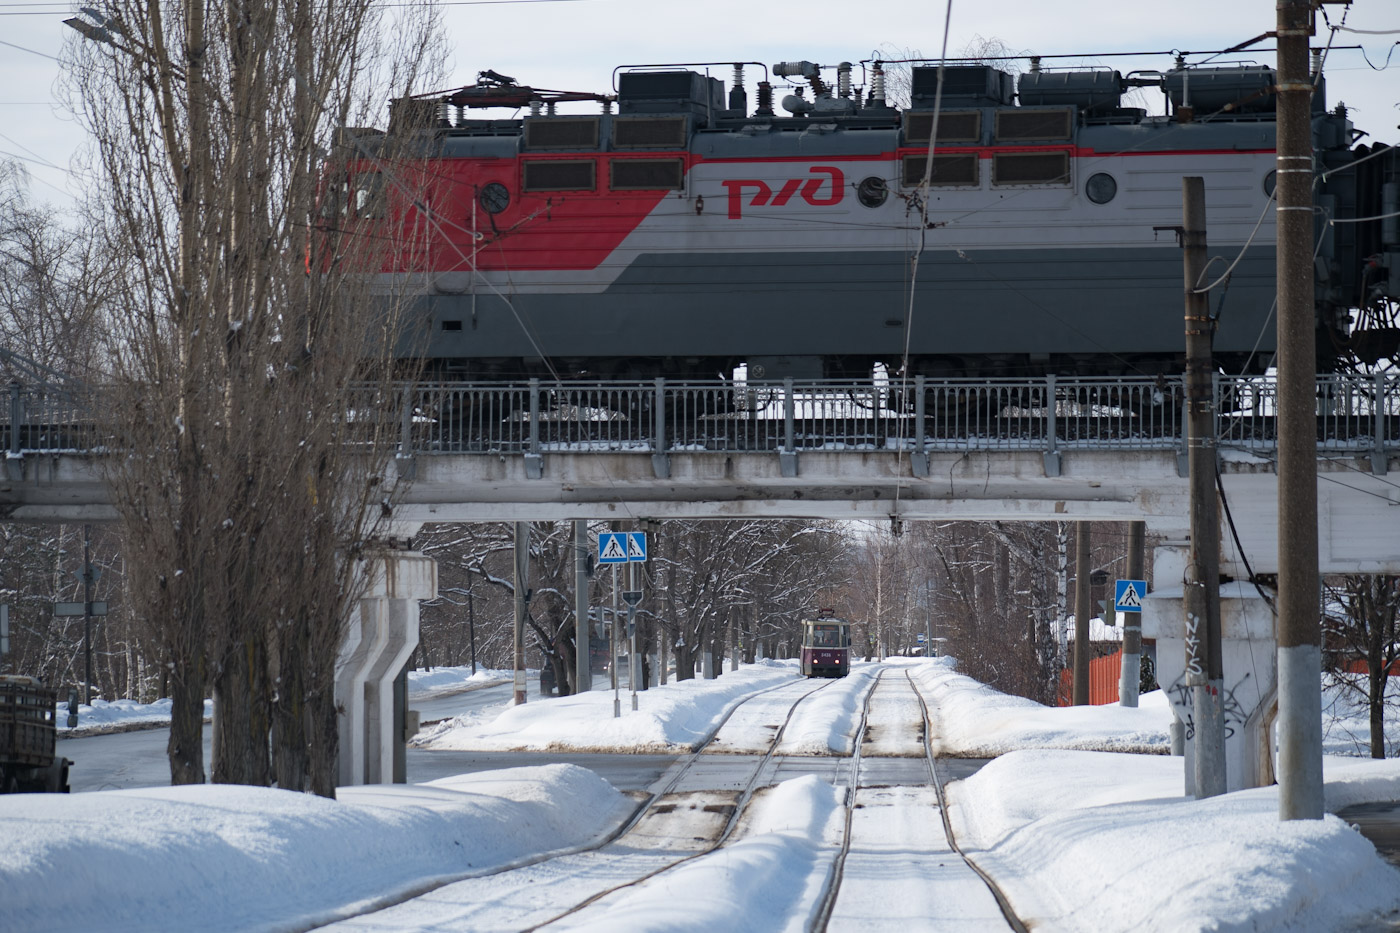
(872,191)
(1101,188)
(495,197)
(1270,180)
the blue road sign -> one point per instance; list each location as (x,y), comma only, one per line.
(620,547)
(612,547)
(1128,597)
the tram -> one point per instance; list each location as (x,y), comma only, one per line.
(826,647)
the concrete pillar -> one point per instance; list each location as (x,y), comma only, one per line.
(382,634)
(1247,647)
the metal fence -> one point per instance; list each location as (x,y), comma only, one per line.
(1356,415)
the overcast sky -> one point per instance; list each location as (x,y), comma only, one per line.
(576,44)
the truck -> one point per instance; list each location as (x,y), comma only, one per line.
(28,736)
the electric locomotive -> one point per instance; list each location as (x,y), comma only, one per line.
(826,647)
(686,233)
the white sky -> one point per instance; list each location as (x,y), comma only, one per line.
(575,44)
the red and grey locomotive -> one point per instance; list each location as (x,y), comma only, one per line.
(685,233)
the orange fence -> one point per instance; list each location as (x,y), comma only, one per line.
(1103,681)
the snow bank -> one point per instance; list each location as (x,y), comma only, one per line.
(445,680)
(224,857)
(673,718)
(972,720)
(1059,829)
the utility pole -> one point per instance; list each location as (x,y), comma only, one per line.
(87,614)
(1081,614)
(1205,674)
(1299,632)
(583,674)
(1130,675)
(522,597)
(471,623)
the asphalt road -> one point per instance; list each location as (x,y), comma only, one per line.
(137,759)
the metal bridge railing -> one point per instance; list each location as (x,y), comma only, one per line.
(1357,415)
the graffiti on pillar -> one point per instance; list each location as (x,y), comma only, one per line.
(1193,645)
(1235,714)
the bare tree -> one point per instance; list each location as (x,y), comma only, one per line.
(1363,626)
(250,477)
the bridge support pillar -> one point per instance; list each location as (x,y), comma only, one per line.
(380,636)
(1247,646)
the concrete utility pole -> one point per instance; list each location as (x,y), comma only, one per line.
(1081,613)
(583,673)
(1130,675)
(1299,632)
(522,597)
(1205,675)
(87,613)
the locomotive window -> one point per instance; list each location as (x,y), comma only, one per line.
(1101,188)
(560,176)
(561,133)
(827,636)
(494,197)
(1030,168)
(649,132)
(1270,181)
(960,169)
(640,174)
(1018,125)
(954,127)
(367,199)
(872,191)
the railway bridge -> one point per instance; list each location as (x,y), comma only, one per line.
(1047,449)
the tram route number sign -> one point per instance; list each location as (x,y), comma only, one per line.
(621,547)
(1128,595)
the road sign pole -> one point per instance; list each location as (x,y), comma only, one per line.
(632,630)
(612,642)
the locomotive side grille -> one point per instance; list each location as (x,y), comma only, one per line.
(649,132)
(1030,168)
(960,169)
(638,174)
(561,133)
(953,127)
(1020,125)
(560,176)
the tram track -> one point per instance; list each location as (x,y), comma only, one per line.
(735,813)
(1000,896)
(662,803)
(872,796)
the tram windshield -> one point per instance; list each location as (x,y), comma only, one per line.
(827,636)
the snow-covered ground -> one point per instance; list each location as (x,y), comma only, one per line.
(1080,839)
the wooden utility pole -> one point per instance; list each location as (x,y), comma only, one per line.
(583,673)
(1081,614)
(1299,632)
(1130,674)
(1205,675)
(522,598)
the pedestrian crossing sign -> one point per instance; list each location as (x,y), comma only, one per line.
(620,547)
(1129,595)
